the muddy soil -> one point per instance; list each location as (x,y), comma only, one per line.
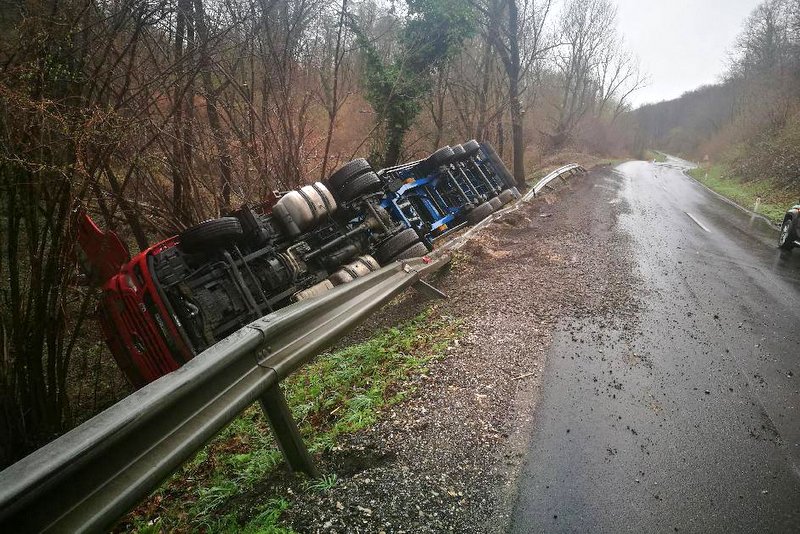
(447,458)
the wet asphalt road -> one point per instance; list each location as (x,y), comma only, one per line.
(687,420)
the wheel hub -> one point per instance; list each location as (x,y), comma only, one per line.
(784,232)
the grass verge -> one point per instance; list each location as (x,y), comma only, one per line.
(655,155)
(760,196)
(225,487)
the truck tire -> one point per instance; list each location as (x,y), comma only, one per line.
(414,251)
(788,232)
(360,185)
(471,147)
(459,154)
(506,196)
(348,171)
(441,157)
(395,245)
(496,203)
(433,162)
(480,213)
(210,235)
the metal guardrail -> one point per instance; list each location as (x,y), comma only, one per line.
(89,477)
(558,173)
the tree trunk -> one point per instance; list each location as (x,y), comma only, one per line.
(333,108)
(184,35)
(214,122)
(131,217)
(394,146)
(177,146)
(483,94)
(437,108)
(501,138)
(517,141)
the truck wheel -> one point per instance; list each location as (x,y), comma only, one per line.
(414,251)
(360,185)
(459,154)
(348,171)
(210,235)
(786,240)
(471,147)
(480,213)
(506,196)
(496,203)
(441,157)
(396,244)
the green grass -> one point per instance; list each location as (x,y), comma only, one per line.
(760,196)
(323,484)
(610,162)
(339,393)
(655,155)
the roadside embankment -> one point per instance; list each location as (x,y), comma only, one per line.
(762,196)
(655,155)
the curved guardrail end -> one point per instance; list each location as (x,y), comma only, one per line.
(558,173)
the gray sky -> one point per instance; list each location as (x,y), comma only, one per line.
(682,44)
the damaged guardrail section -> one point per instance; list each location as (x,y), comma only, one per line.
(88,478)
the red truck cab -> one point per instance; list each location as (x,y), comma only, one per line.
(141,332)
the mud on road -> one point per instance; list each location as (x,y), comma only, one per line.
(447,458)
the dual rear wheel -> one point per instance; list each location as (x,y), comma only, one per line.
(401,246)
(353,180)
(490,206)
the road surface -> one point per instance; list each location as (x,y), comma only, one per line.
(687,418)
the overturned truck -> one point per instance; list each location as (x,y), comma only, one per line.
(172,301)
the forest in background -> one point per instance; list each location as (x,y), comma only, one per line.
(157,114)
(749,122)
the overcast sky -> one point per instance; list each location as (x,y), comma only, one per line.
(682,44)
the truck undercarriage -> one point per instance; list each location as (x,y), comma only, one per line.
(182,295)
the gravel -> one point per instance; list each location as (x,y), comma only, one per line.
(447,458)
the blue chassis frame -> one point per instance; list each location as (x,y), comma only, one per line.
(425,191)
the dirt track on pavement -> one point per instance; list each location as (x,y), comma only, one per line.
(447,458)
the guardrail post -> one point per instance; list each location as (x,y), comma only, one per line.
(286,433)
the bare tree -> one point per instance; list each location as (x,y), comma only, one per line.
(330,80)
(619,75)
(586,33)
(183,96)
(211,97)
(517,30)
